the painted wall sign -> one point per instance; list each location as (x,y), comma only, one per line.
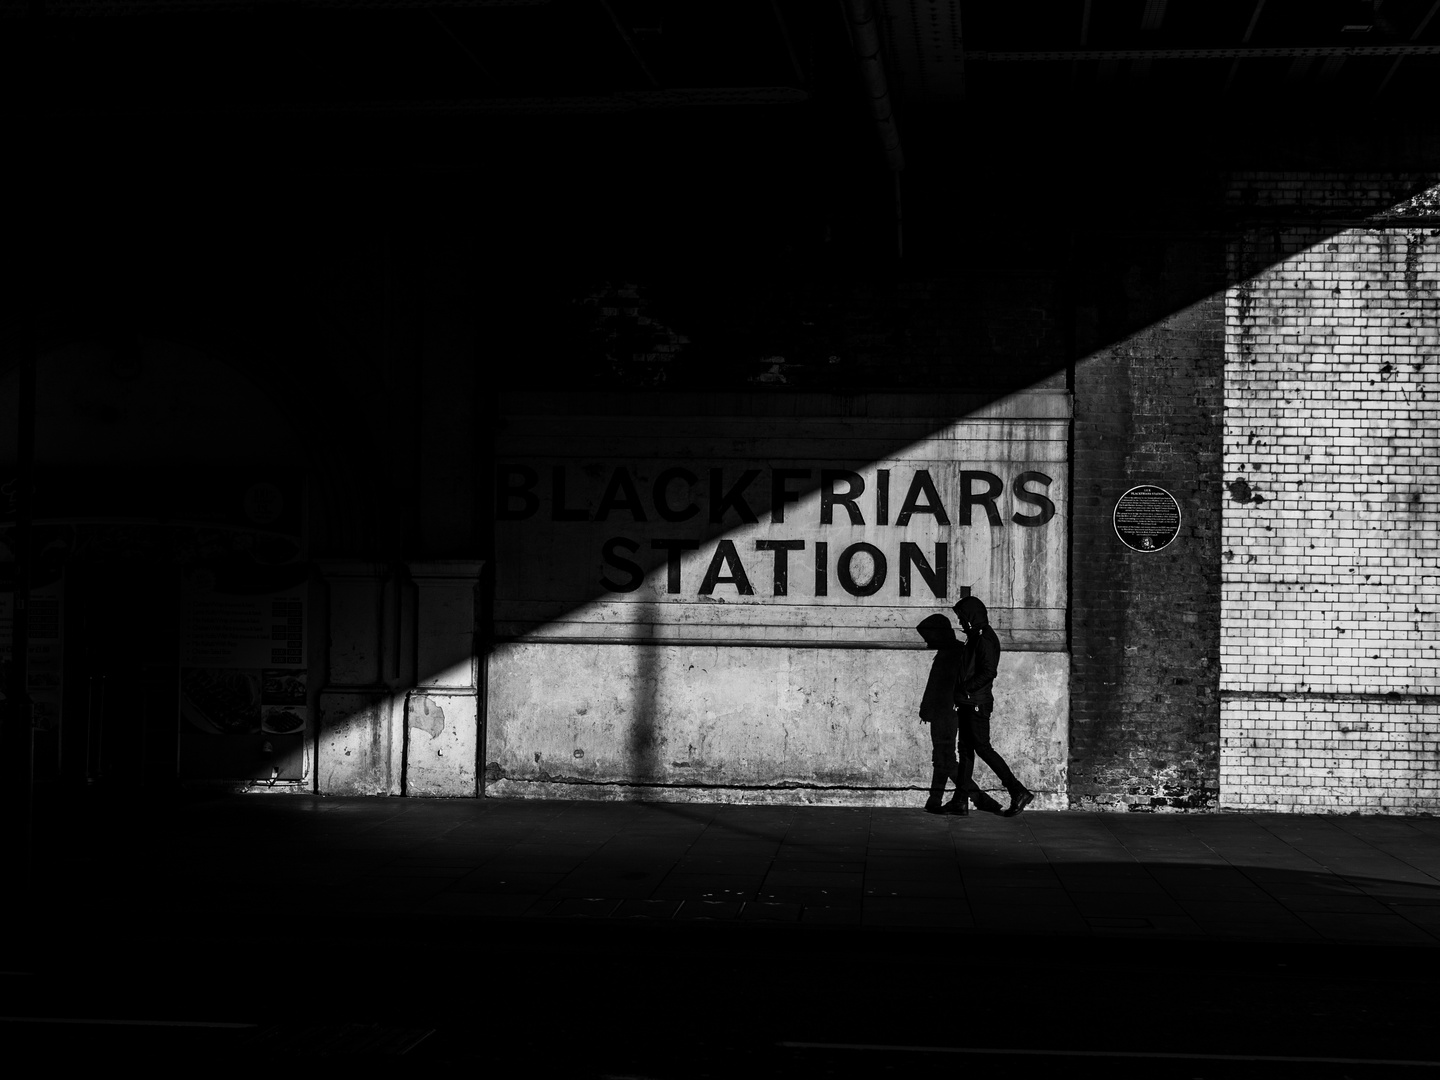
(1147,518)
(796,529)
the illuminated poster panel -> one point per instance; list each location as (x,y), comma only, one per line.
(242,679)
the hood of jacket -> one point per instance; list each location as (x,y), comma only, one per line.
(971,610)
(937,631)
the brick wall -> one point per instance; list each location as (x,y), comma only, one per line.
(1144,663)
(1331,555)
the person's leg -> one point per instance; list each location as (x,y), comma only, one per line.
(961,774)
(979,738)
(982,799)
(965,780)
(942,760)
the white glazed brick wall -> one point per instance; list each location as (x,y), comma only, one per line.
(1331,537)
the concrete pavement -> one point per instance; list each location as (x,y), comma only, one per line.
(1217,876)
(614,939)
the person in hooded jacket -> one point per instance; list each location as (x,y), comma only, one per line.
(975,701)
(938,709)
(937,706)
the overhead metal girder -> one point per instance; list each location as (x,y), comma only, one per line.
(67,8)
(1414,34)
(619,102)
(865,34)
(1242,53)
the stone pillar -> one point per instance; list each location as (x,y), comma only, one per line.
(443,710)
(359,742)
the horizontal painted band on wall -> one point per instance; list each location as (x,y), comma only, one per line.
(1024,629)
(1337,696)
(928,410)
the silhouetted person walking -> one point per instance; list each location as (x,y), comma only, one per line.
(937,708)
(975,701)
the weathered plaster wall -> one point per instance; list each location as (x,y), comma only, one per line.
(708,723)
(656,639)
(400,711)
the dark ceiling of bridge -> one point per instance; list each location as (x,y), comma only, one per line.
(532,56)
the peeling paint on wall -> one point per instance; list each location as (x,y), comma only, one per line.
(429,718)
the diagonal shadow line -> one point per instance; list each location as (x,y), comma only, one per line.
(1312,232)
(1286,231)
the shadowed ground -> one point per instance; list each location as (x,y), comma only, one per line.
(690,940)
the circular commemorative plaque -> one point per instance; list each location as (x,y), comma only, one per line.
(1147,518)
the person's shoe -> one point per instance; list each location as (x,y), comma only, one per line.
(1019,800)
(988,805)
(932,806)
(956,807)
